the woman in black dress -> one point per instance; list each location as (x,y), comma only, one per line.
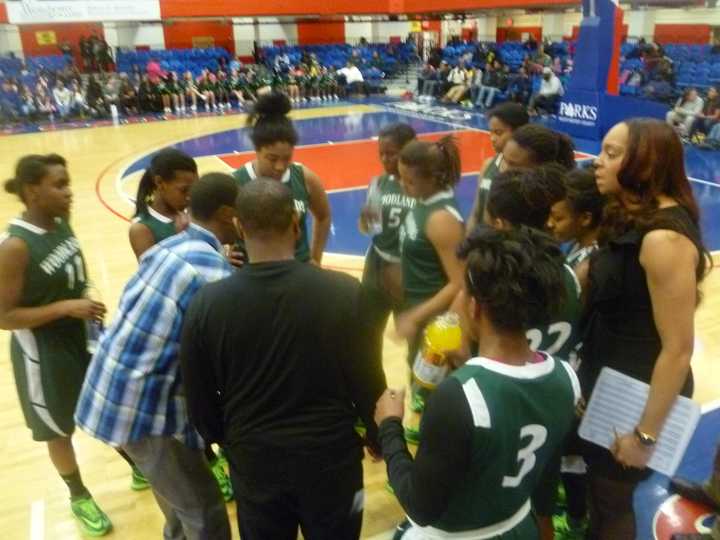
(641,298)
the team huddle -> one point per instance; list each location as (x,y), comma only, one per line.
(215,343)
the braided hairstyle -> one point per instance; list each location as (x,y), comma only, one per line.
(163,164)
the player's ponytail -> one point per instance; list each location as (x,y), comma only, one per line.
(439,162)
(164,164)
(450,154)
(516,276)
(30,170)
(269,123)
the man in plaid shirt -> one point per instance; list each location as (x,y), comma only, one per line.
(133,397)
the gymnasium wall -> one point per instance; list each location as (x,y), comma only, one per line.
(188,34)
(320,32)
(44,39)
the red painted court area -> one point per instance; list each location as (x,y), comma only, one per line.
(353,163)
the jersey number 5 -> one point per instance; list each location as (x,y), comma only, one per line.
(526,455)
(394,218)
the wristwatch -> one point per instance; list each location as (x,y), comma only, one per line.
(645,439)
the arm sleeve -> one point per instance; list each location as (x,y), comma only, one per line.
(198,376)
(363,369)
(425,485)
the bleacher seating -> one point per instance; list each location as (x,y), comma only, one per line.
(337,56)
(177,60)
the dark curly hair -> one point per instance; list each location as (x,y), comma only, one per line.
(517,276)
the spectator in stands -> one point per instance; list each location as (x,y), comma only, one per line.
(111,90)
(154,71)
(148,98)
(79,103)
(709,116)
(127,96)
(95,99)
(427,73)
(520,87)
(28,107)
(63,99)
(493,81)
(282,61)
(539,61)
(686,110)
(354,79)
(531,43)
(66,50)
(551,90)
(459,78)
(45,105)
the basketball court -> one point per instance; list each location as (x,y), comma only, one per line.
(338,142)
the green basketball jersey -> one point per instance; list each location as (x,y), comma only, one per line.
(521,416)
(56,270)
(484,184)
(294,178)
(160,226)
(562,336)
(395,206)
(422,270)
(49,361)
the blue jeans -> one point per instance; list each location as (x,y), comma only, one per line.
(488,91)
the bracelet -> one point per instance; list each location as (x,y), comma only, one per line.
(645,439)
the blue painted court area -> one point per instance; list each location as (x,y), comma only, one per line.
(703,166)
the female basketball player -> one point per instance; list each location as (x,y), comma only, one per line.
(503,120)
(533,145)
(162,198)
(43,279)
(429,238)
(641,302)
(577,218)
(485,438)
(274,138)
(382,275)
(523,198)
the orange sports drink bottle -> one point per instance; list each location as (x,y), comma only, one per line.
(442,335)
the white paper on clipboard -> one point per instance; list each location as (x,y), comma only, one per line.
(617,403)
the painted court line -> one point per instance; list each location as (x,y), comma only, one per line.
(37,520)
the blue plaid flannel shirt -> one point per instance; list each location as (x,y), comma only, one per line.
(132,388)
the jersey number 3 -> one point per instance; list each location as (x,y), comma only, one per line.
(526,455)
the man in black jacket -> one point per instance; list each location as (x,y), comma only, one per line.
(278,364)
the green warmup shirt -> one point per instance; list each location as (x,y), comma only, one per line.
(484,184)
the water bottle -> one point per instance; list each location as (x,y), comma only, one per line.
(441,336)
(114,114)
(93,327)
(374,210)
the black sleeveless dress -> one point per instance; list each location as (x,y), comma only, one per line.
(619,328)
